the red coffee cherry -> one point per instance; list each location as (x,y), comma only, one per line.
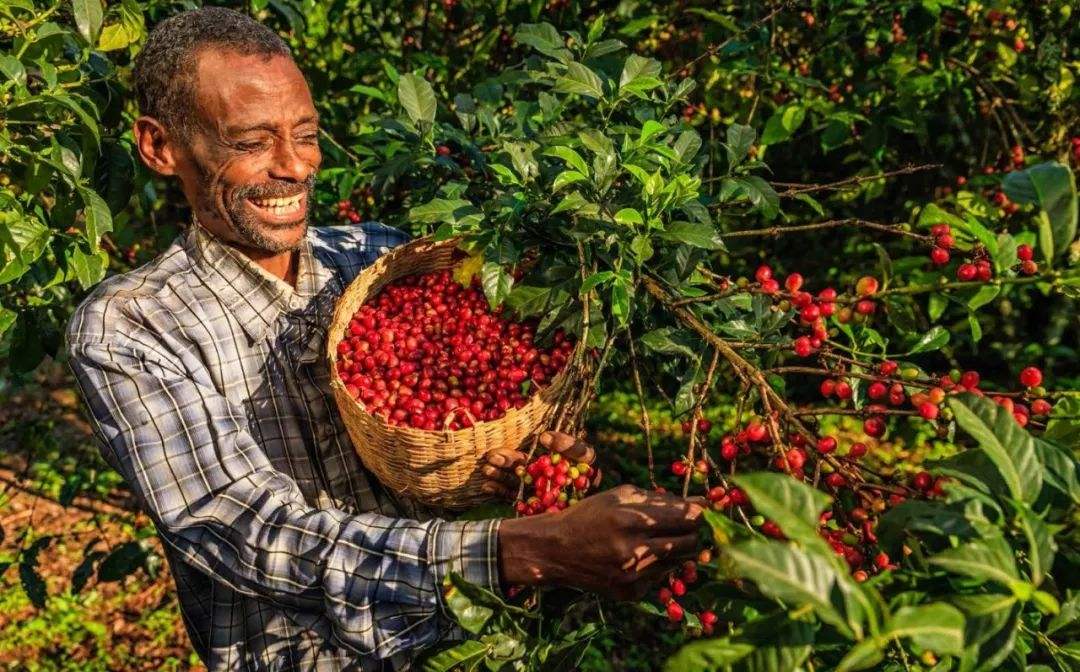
(1031,376)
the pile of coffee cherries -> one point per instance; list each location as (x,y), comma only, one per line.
(429,353)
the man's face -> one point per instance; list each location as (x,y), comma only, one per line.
(249,165)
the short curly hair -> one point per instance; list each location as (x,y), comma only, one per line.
(164,73)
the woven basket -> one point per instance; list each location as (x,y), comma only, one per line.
(436,468)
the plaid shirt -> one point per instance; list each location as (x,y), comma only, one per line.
(207,388)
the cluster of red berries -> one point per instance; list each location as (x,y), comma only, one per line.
(943,242)
(1026,255)
(556,484)
(677,586)
(812,310)
(1075,147)
(346,210)
(429,353)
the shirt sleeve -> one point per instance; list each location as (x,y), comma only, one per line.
(217,500)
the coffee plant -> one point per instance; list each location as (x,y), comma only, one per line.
(825,252)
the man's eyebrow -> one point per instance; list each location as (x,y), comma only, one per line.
(237,130)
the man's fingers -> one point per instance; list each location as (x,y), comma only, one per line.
(675,548)
(505,458)
(568,446)
(671,516)
(496,488)
(502,476)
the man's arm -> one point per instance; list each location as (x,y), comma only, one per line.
(215,497)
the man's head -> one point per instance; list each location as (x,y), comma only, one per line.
(225,109)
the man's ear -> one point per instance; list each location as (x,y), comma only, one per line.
(156,145)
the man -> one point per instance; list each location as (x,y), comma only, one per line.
(206,386)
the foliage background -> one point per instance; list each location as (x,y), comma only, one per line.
(834,88)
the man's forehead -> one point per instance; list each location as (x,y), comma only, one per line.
(236,89)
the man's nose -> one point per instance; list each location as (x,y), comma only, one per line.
(291,164)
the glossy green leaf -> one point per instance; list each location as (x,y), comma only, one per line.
(1053,187)
(417,97)
(795,577)
(579,79)
(793,505)
(89,15)
(1008,446)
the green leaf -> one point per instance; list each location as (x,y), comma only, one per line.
(470,615)
(687,145)
(462,656)
(497,283)
(707,655)
(629,217)
(649,130)
(571,157)
(1008,446)
(668,341)
(793,505)
(1066,616)
(780,644)
(595,280)
(89,15)
(1041,546)
(739,140)
(88,120)
(1053,187)
(22,240)
(794,577)
(544,38)
(1061,470)
(89,268)
(13,69)
(446,210)
(931,340)
(983,560)
(759,192)
(581,80)
(566,178)
(1063,428)
(697,234)
(417,97)
(636,67)
(96,216)
(938,627)
(985,295)
(783,124)
(984,614)
(573,202)
(921,516)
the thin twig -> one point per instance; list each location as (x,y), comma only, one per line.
(828,224)
(794,188)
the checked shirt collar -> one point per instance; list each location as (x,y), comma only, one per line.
(256,297)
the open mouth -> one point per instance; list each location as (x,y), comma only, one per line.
(280,209)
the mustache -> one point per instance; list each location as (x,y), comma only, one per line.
(274,189)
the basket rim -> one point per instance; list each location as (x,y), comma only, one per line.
(333,337)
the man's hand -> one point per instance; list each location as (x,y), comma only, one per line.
(618,542)
(501,464)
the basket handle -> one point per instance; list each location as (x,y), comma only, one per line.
(453,412)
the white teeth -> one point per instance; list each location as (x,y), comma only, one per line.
(279,206)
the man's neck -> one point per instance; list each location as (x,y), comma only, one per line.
(283,265)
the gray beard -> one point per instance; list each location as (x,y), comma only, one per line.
(248,228)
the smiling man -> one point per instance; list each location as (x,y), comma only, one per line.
(206,387)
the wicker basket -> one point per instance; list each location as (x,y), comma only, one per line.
(436,468)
